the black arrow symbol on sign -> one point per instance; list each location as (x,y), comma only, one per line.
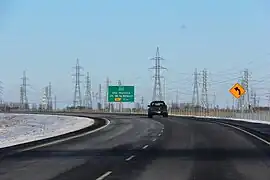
(237,89)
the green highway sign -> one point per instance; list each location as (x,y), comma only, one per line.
(121,93)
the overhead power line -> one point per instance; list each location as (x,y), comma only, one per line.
(226,81)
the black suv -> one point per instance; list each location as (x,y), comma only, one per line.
(157,108)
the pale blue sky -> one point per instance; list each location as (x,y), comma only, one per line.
(116,38)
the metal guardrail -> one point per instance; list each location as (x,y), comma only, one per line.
(262,115)
(257,114)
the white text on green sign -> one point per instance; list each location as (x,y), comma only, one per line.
(121,93)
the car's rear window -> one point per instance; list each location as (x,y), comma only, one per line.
(158,104)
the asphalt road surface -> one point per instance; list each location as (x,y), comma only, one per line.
(83,158)
(194,150)
(142,150)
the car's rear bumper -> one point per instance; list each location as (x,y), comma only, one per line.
(157,112)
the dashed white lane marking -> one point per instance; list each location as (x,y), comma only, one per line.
(104,175)
(154,139)
(159,134)
(131,157)
(146,146)
(244,131)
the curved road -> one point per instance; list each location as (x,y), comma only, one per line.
(195,150)
(87,157)
(142,150)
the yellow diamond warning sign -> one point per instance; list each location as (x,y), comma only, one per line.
(237,90)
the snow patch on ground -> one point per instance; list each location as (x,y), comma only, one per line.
(22,128)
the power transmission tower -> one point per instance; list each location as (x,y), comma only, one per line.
(258,101)
(55,102)
(107,104)
(94,96)
(21,96)
(195,96)
(23,92)
(246,86)
(177,99)
(244,101)
(77,91)
(142,103)
(240,101)
(50,103)
(214,101)
(205,90)
(253,98)
(88,94)
(157,91)
(45,99)
(99,97)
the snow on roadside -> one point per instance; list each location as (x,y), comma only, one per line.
(22,128)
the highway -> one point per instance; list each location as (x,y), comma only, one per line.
(83,158)
(143,149)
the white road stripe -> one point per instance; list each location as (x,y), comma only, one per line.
(104,175)
(131,157)
(249,133)
(146,146)
(154,139)
(66,139)
(159,134)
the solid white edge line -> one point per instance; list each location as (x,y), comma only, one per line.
(104,175)
(129,158)
(146,146)
(66,139)
(244,131)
